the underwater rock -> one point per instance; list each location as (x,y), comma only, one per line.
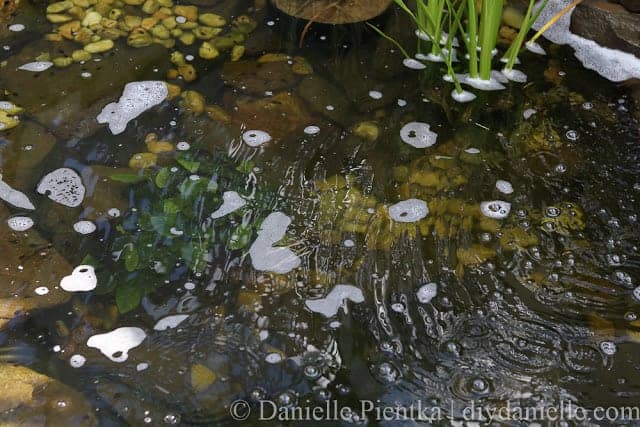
(73,113)
(279,115)
(103,193)
(28,263)
(27,146)
(33,399)
(257,78)
(326,99)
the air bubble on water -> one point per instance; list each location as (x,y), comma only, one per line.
(183,146)
(386,372)
(623,277)
(496,209)
(142,366)
(273,358)
(255,138)
(398,307)
(113,212)
(427,292)
(84,227)
(286,399)
(572,135)
(374,94)
(41,290)
(608,348)
(312,130)
(552,212)
(77,361)
(587,106)
(171,419)
(20,223)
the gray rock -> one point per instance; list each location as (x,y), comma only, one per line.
(608,24)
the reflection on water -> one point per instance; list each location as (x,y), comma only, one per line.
(509,277)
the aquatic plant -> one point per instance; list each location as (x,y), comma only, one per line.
(177,222)
(478,29)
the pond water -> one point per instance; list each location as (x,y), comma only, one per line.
(274,234)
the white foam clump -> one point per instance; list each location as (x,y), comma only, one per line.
(504,186)
(528,113)
(36,67)
(427,292)
(418,134)
(41,290)
(136,98)
(84,227)
(463,97)
(329,305)
(375,94)
(14,197)
(265,256)
(255,138)
(410,210)
(16,27)
(63,186)
(170,322)
(77,361)
(312,130)
(534,47)
(82,279)
(612,64)
(496,209)
(117,343)
(231,201)
(20,223)
(515,75)
(472,150)
(494,83)
(414,64)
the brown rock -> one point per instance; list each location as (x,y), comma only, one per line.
(608,24)
(254,78)
(632,5)
(279,114)
(33,399)
(332,12)
(28,261)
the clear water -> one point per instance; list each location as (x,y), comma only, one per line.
(537,310)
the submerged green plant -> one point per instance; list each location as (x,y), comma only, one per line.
(170,233)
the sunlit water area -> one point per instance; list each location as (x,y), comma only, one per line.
(243,212)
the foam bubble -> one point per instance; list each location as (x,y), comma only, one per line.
(83,278)
(348,243)
(488,85)
(20,223)
(266,257)
(36,67)
(231,201)
(311,130)
(113,212)
(16,28)
(427,292)
(136,98)
(535,48)
(273,358)
(528,113)
(610,63)
(255,138)
(142,366)
(329,305)
(464,96)
(515,75)
(504,186)
(117,343)
(183,146)
(41,290)
(608,348)
(63,186)
(410,210)
(472,150)
(374,94)
(413,64)
(402,102)
(417,134)
(496,209)
(77,361)
(84,227)
(14,197)
(170,322)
